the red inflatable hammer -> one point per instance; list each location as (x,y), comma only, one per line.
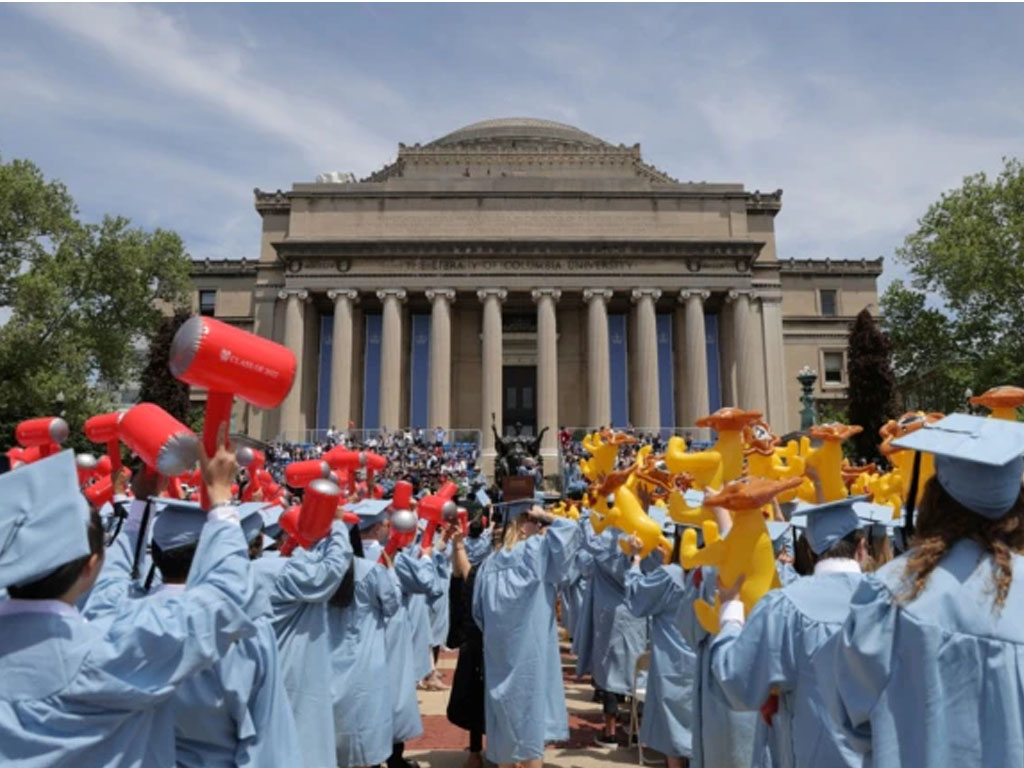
(103,429)
(229,362)
(163,443)
(45,434)
(309,523)
(299,474)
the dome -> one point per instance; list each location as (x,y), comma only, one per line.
(518,128)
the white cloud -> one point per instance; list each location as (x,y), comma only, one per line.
(158,48)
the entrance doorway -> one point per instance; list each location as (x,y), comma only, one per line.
(519,402)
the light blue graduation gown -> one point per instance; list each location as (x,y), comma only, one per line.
(299,587)
(237,712)
(722,737)
(668,708)
(937,681)
(478,548)
(774,649)
(514,606)
(583,631)
(99,694)
(362,708)
(619,637)
(413,576)
(419,581)
(437,607)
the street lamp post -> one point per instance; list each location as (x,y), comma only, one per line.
(807,376)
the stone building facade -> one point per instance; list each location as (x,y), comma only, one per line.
(527,269)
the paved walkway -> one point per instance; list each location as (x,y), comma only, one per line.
(444,746)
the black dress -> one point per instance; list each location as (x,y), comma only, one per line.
(466,703)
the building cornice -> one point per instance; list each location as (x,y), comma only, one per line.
(741,252)
(231,267)
(838,267)
(272,202)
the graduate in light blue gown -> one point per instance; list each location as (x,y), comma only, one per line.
(478,547)
(769,653)
(356,616)
(619,637)
(668,707)
(412,574)
(236,712)
(100,694)
(926,670)
(514,606)
(722,737)
(438,607)
(583,571)
(299,587)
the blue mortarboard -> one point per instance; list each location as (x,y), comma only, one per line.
(660,516)
(778,533)
(44,519)
(370,511)
(251,516)
(271,519)
(519,507)
(178,523)
(482,498)
(977,460)
(879,517)
(828,523)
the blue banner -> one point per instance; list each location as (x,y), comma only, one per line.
(323,391)
(666,391)
(371,382)
(419,372)
(714,375)
(618,371)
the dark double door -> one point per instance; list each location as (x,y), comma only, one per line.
(519,399)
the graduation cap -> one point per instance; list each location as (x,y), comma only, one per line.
(482,498)
(827,524)
(660,515)
(369,511)
(178,523)
(44,519)
(250,514)
(977,460)
(779,534)
(272,519)
(878,517)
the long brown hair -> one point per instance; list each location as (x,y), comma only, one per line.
(943,521)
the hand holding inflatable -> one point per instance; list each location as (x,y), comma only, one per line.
(746,551)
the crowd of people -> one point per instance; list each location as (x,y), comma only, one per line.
(427,458)
(155,631)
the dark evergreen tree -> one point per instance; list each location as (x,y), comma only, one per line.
(157,385)
(872,384)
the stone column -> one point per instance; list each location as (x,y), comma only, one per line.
(491,356)
(547,375)
(391,358)
(648,410)
(774,363)
(294,334)
(695,400)
(439,402)
(341,356)
(599,402)
(749,368)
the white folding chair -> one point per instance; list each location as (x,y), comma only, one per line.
(639,695)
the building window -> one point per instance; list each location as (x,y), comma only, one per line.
(833,365)
(828,302)
(207,303)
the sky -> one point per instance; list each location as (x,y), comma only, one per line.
(172,114)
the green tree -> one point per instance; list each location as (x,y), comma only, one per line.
(77,299)
(959,322)
(156,384)
(871,400)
